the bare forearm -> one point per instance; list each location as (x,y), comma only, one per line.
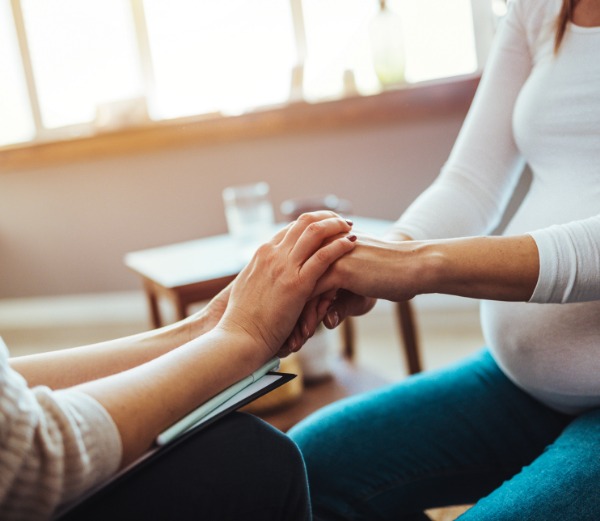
(495,268)
(145,400)
(499,268)
(67,367)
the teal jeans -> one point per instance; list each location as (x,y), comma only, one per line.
(462,435)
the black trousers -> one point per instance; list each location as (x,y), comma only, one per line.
(239,468)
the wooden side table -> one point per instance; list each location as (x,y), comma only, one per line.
(185,273)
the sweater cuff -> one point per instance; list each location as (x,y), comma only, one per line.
(569,263)
(546,287)
(100,434)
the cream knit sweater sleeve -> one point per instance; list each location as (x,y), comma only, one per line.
(54,445)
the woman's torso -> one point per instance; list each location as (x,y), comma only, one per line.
(553,350)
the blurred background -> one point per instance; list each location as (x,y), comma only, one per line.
(122,121)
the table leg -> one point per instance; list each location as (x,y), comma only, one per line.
(155,320)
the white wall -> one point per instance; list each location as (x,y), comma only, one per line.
(65,229)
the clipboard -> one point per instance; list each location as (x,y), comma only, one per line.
(269,382)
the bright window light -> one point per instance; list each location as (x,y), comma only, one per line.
(100,61)
(16,122)
(83,55)
(439,38)
(219,55)
(337,40)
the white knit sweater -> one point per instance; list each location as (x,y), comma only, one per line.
(544,109)
(53,446)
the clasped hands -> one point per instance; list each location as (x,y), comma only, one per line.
(294,282)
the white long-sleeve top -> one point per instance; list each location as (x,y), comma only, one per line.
(54,445)
(543,109)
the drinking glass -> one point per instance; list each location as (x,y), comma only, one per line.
(249,214)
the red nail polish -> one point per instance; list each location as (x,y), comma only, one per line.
(350,223)
(351,238)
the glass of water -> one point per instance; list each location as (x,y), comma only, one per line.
(249,215)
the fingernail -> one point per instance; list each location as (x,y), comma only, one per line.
(351,238)
(293,344)
(350,223)
(334,318)
(305,331)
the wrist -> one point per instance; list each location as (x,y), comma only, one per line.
(423,264)
(433,267)
(252,346)
(197,324)
(397,236)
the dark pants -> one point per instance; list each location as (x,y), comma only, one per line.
(464,434)
(239,468)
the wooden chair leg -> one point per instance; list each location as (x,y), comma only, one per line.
(408,332)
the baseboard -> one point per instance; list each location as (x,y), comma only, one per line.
(131,307)
(63,310)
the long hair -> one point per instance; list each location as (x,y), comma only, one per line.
(565,16)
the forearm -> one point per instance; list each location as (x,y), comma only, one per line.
(144,400)
(494,268)
(67,367)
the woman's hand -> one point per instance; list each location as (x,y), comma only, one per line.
(333,306)
(312,315)
(269,294)
(348,304)
(209,316)
(375,268)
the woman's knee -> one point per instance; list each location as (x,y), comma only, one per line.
(561,483)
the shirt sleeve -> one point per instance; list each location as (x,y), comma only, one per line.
(569,262)
(54,445)
(475,185)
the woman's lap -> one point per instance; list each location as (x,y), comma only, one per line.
(446,437)
(238,468)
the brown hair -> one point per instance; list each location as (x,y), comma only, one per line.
(564,17)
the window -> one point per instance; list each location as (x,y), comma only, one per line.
(337,42)
(218,56)
(16,120)
(70,67)
(82,55)
(439,39)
